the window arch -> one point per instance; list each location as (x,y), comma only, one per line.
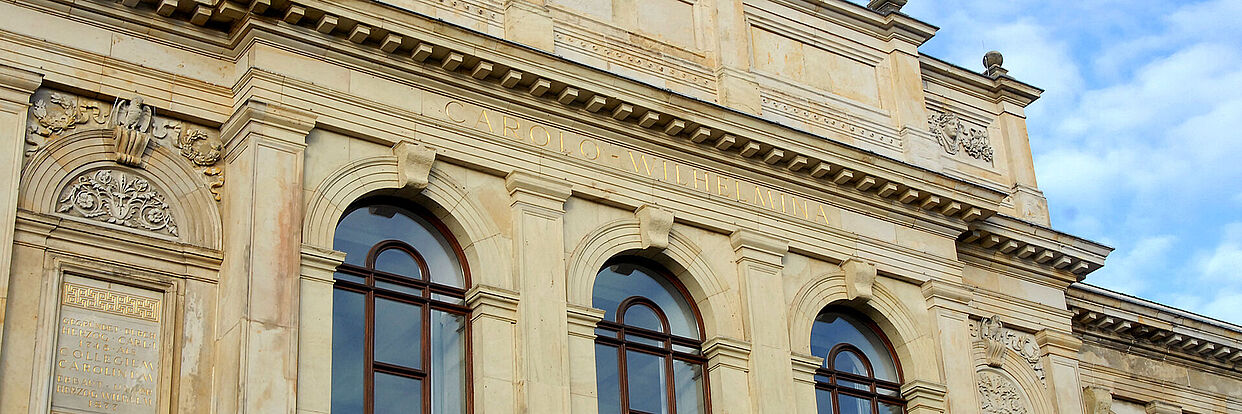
(860,373)
(399,320)
(648,346)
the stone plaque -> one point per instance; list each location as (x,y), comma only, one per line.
(107,348)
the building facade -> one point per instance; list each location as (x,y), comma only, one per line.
(545,206)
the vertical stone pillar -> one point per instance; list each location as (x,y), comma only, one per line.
(948,304)
(315,329)
(1059,356)
(1099,400)
(1029,203)
(924,397)
(16,86)
(905,94)
(736,87)
(528,22)
(257,338)
(727,367)
(804,367)
(759,265)
(583,389)
(537,206)
(493,339)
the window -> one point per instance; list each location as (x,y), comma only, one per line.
(648,347)
(398,315)
(860,375)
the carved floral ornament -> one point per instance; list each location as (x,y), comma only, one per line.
(954,136)
(116,197)
(998,395)
(996,338)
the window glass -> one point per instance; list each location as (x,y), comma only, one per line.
(397,395)
(348,346)
(606,376)
(848,361)
(448,356)
(643,317)
(617,282)
(832,328)
(365,227)
(647,382)
(689,377)
(853,405)
(398,262)
(399,341)
(859,374)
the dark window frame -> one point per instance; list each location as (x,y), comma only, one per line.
(826,378)
(616,335)
(426,302)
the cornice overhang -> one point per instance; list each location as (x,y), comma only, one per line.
(1022,243)
(882,26)
(1002,88)
(1160,329)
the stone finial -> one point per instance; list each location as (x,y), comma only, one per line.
(992,64)
(1099,400)
(859,279)
(654,226)
(413,164)
(886,6)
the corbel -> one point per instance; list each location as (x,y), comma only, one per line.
(413,164)
(859,279)
(654,225)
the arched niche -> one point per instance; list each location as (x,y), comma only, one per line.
(61,163)
(460,211)
(682,258)
(1017,370)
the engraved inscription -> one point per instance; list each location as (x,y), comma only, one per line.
(107,348)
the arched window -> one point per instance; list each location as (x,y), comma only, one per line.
(399,339)
(648,347)
(860,374)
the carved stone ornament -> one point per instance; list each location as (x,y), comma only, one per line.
(998,395)
(859,279)
(131,128)
(114,197)
(953,136)
(654,226)
(997,338)
(200,148)
(66,112)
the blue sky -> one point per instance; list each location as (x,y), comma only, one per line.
(1136,139)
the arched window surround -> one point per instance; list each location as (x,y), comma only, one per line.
(663,342)
(842,382)
(418,290)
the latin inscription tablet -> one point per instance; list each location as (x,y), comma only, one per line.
(107,348)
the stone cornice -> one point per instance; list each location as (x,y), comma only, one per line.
(1020,241)
(883,26)
(76,237)
(997,90)
(1135,322)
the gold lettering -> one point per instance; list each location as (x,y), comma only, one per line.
(764,202)
(561,134)
(449,114)
(634,162)
(722,186)
(694,178)
(677,170)
(547,137)
(822,214)
(483,119)
(505,128)
(582,149)
(737,192)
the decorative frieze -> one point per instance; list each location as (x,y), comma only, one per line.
(823,116)
(627,56)
(999,395)
(997,338)
(116,197)
(954,136)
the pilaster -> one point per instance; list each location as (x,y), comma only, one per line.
(949,306)
(16,87)
(537,205)
(1029,203)
(493,339)
(530,23)
(736,86)
(257,342)
(1059,356)
(804,367)
(728,361)
(315,329)
(583,389)
(924,397)
(759,264)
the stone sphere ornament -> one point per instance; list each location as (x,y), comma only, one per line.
(993,59)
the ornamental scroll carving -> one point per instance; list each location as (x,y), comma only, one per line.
(998,395)
(954,136)
(997,338)
(115,197)
(54,115)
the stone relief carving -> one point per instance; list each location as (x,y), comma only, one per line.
(827,117)
(997,338)
(66,112)
(998,395)
(954,136)
(112,196)
(200,148)
(132,122)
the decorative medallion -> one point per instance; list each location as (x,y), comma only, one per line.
(998,395)
(953,136)
(66,112)
(199,148)
(114,197)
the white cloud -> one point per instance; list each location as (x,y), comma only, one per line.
(1224,263)
(1125,273)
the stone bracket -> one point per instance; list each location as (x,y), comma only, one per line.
(859,279)
(654,225)
(414,162)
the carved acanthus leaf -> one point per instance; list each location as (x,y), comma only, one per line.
(112,196)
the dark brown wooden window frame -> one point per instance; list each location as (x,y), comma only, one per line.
(667,350)
(826,378)
(426,302)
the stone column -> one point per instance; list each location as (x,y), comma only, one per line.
(804,367)
(315,329)
(759,266)
(948,304)
(257,338)
(1059,356)
(16,86)
(528,22)
(1029,203)
(727,366)
(583,389)
(924,397)
(493,339)
(537,206)
(736,87)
